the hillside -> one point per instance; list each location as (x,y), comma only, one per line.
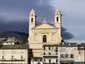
(18,35)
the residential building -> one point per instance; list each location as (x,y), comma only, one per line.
(13,53)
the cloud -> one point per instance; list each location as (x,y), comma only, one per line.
(65,34)
(16,12)
(13,9)
(73,16)
(10,18)
(14,26)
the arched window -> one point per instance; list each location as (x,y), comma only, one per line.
(44,38)
(57,19)
(31,19)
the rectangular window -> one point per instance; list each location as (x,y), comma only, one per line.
(44,53)
(44,48)
(44,60)
(12,57)
(49,48)
(21,57)
(56,49)
(2,57)
(49,60)
(61,55)
(79,52)
(53,48)
(49,53)
(56,60)
(71,56)
(66,56)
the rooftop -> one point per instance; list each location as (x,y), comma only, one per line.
(16,46)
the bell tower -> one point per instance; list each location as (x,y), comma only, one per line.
(32,18)
(34,45)
(57,21)
(32,21)
(57,18)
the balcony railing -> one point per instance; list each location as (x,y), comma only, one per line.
(13,60)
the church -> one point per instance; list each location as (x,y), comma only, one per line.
(46,45)
(43,35)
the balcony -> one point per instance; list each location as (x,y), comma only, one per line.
(12,60)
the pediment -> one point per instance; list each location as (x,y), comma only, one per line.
(44,25)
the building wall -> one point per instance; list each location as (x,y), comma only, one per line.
(50,54)
(78,55)
(14,54)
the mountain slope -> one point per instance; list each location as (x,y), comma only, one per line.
(20,37)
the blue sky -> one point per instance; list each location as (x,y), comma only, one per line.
(14,14)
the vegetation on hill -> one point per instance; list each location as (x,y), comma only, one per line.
(13,34)
(21,37)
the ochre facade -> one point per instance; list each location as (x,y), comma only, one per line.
(44,33)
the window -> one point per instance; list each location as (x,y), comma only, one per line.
(79,52)
(44,53)
(66,56)
(2,57)
(56,60)
(49,48)
(49,53)
(56,53)
(12,57)
(61,55)
(56,49)
(21,57)
(71,56)
(44,48)
(31,19)
(57,19)
(44,60)
(38,62)
(44,38)
(49,60)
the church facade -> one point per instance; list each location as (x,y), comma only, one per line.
(44,34)
(46,46)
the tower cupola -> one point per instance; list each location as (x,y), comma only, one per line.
(32,12)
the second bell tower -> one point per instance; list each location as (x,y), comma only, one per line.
(57,21)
